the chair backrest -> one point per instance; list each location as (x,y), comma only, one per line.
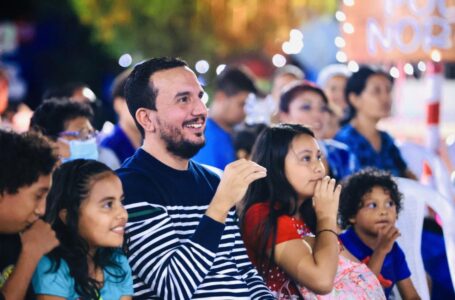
(410,222)
(416,155)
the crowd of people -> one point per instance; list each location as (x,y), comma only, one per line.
(290,196)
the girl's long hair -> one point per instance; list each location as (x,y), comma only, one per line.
(72,183)
(270,151)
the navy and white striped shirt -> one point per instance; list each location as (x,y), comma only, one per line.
(175,251)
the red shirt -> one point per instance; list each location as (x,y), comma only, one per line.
(288,228)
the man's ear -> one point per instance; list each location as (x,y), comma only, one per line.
(145,117)
(62,215)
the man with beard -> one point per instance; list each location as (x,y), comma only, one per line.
(183,239)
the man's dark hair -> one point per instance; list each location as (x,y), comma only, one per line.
(23,159)
(139,89)
(51,116)
(356,186)
(233,81)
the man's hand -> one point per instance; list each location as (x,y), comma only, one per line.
(237,176)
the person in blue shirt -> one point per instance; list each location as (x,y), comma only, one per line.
(369,205)
(369,94)
(125,138)
(86,212)
(232,88)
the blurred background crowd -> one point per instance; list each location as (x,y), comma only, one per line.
(83,50)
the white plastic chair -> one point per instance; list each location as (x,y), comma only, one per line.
(410,222)
(415,155)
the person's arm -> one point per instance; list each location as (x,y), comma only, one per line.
(166,265)
(36,241)
(385,242)
(407,290)
(48,297)
(315,270)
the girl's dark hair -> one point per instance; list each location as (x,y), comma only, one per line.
(356,186)
(72,183)
(295,89)
(270,151)
(356,84)
(244,137)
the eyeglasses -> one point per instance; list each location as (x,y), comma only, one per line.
(84,134)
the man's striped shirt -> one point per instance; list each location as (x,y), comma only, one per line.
(175,251)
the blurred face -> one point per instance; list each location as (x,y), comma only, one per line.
(19,211)
(78,128)
(303,165)
(77,140)
(234,108)
(180,113)
(121,108)
(334,89)
(307,108)
(102,217)
(375,101)
(377,210)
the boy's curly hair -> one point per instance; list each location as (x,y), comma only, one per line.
(23,159)
(356,186)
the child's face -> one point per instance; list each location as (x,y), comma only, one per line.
(303,165)
(19,211)
(377,210)
(102,217)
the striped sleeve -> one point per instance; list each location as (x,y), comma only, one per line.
(253,280)
(166,266)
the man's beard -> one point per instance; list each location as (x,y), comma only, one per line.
(176,144)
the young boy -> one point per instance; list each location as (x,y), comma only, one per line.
(26,164)
(370,203)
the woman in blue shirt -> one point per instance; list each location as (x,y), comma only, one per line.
(369,94)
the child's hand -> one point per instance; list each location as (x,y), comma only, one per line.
(39,239)
(326,198)
(386,237)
